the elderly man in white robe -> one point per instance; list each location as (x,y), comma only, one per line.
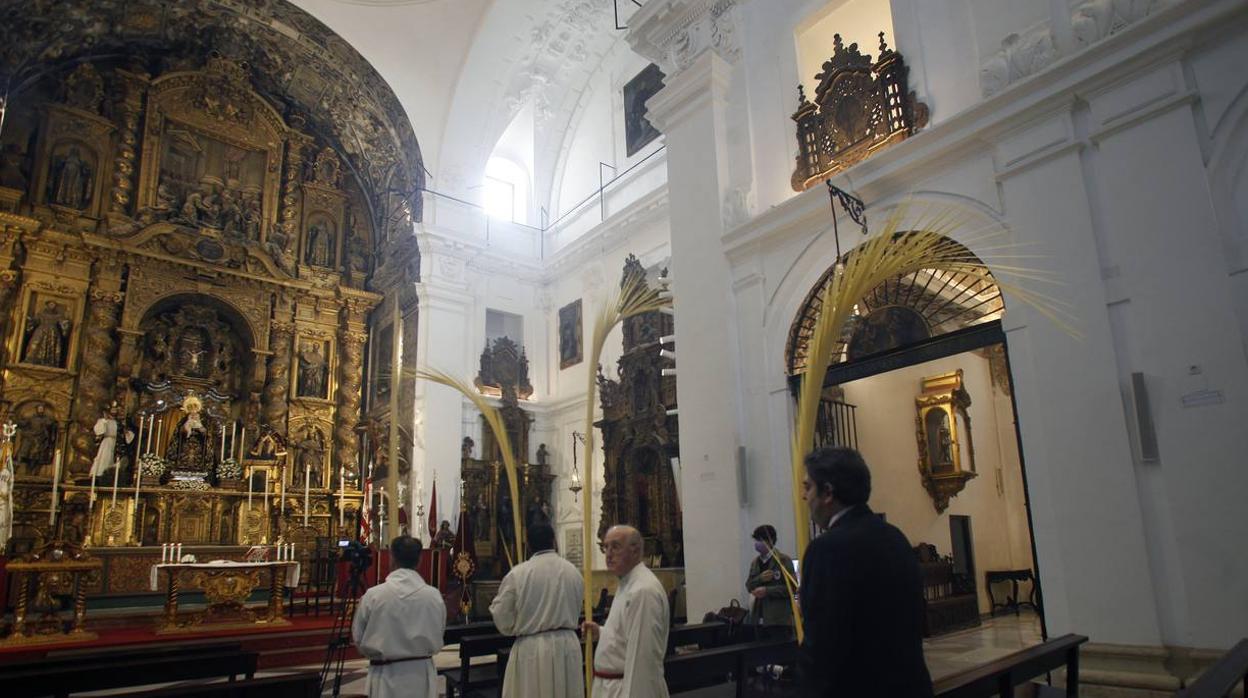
(398,627)
(628,662)
(539,603)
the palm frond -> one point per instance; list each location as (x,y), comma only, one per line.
(495,420)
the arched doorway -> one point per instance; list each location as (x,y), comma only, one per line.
(919,383)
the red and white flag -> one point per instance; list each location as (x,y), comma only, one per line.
(366,511)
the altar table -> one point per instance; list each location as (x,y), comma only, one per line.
(226,586)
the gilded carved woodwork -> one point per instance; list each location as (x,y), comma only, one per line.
(943,431)
(277,380)
(129,105)
(350,367)
(95,385)
(860,107)
(639,437)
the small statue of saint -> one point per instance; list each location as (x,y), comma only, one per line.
(71,181)
(36,439)
(542,454)
(310,459)
(319,244)
(444,538)
(312,371)
(106,441)
(47,336)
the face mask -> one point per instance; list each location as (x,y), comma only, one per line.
(761,547)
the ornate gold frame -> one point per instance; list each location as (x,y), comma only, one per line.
(944,476)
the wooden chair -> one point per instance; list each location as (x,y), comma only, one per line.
(1219,680)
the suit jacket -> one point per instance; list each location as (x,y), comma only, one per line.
(862,606)
(774,608)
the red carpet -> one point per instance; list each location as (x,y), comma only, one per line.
(302,642)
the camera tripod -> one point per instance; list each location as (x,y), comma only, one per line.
(340,636)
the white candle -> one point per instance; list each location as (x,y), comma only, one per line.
(242,443)
(160,431)
(249,489)
(138,445)
(179,555)
(151,426)
(221,452)
(234,439)
(56,479)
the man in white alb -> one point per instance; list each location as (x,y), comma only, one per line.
(398,627)
(628,662)
(539,602)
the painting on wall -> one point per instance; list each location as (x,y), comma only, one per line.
(570,338)
(312,377)
(638,131)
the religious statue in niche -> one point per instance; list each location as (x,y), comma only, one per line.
(939,442)
(36,437)
(570,338)
(356,252)
(70,183)
(191,447)
(310,458)
(47,335)
(638,131)
(313,370)
(321,244)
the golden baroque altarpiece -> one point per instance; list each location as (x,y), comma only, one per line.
(185,275)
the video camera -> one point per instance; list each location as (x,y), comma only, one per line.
(355,553)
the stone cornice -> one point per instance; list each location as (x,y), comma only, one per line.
(673,33)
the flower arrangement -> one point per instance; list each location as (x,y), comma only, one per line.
(152,465)
(229,469)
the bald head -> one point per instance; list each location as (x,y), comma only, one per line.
(623,547)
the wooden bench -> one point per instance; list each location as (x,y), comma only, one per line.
(720,666)
(704,635)
(62,680)
(108,656)
(454,633)
(468,676)
(1220,679)
(305,685)
(1002,676)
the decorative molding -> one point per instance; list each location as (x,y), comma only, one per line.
(673,33)
(1093,20)
(1021,55)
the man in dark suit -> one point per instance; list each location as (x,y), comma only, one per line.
(861,595)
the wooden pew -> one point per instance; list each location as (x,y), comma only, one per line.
(454,633)
(467,676)
(305,685)
(87,676)
(724,666)
(1220,679)
(1002,676)
(108,656)
(704,635)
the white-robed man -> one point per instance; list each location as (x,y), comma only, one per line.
(398,627)
(539,602)
(628,662)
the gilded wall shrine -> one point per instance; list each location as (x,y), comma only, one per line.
(192,210)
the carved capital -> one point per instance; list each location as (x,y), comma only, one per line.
(673,33)
(98,295)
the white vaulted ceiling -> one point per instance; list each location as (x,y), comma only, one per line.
(463,68)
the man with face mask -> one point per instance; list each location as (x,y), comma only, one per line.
(773,608)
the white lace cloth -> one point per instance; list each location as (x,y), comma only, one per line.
(292,569)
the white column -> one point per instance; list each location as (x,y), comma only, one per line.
(693,41)
(446,318)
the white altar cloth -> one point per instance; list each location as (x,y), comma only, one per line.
(292,569)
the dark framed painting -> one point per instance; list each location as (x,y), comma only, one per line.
(571,340)
(638,131)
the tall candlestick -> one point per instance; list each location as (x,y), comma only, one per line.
(234,440)
(221,452)
(160,432)
(56,480)
(138,445)
(116,477)
(179,554)
(307,483)
(342,498)
(250,487)
(242,443)
(151,427)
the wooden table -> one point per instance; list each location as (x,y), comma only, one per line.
(56,565)
(226,586)
(1012,601)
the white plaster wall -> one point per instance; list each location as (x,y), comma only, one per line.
(885,417)
(1103,174)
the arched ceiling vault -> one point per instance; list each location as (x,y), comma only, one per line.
(305,69)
